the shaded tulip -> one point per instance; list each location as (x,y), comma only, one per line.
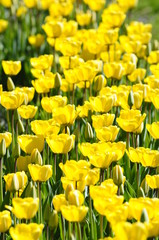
(74,213)
(36,40)
(40,173)
(42,62)
(49,103)
(7,136)
(153,129)
(62,143)
(3,25)
(83,18)
(11,67)
(24,208)
(29,142)
(137,75)
(58,201)
(5,221)
(92,176)
(15,181)
(29,91)
(27,112)
(33,231)
(77,184)
(23,162)
(53,29)
(153,181)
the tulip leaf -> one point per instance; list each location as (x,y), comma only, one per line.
(130,189)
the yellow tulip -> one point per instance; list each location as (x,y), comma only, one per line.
(12,100)
(5,221)
(15,181)
(138,99)
(153,57)
(152,181)
(92,176)
(137,75)
(28,111)
(129,4)
(24,208)
(53,29)
(131,120)
(83,19)
(29,91)
(42,62)
(109,36)
(7,136)
(31,231)
(58,201)
(113,70)
(70,62)
(64,115)
(79,185)
(49,103)
(153,129)
(103,120)
(103,103)
(40,173)
(126,230)
(73,213)
(36,40)
(3,25)
(30,3)
(21,11)
(68,47)
(45,127)
(74,170)
(6,3)
(70,28)
(107,134)
(113,19)
(60,8)
(75,197)
(29,142)
(11,67)
(23,162)
(94,5)
(85,72)
(83,111)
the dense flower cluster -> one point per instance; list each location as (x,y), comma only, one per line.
(79,150)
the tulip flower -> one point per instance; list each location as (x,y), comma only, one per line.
(49,103)
(64,115)
(107,134)
(36,40)
(29,142)
(29,91)
(153,129)
(42,62)
(7,136)
(83,19)
(24,208)
(5,221)
(12,100)
(58,201)
(33,231)
(3,25)
(28,111)
(153,181)
(11,67)
(40,173)
(15,181)
(103,120)
(74,213)
(102,103)
(45,127)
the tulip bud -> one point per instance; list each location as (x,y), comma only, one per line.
(99,83)
(30,191)
(131,99)
(69,188)
(76,198)
(10,84)
(117,175)
(155,45)
(25,99)
(36,157)
(121,189)
(88,133)
(145,186)
(47,210)
(58,81)
(144,216)
(149,48)
(15,183)
(16,115)
(53,220)
(16,150)
(2,147)
(20,127)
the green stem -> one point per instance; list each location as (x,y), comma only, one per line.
(39,196)
(12,131)
(101,226)
(127,140)
(1,182)
(90,217)
(55,166)
(47,233)
(69,230)
(79,231)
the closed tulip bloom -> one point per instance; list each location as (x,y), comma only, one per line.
(103,103)
(5,221)
(36,40)
(45,127)
(155,99)
(27,111)
(103,120)
(29,142)
(107,134)
(79,184)
(153,129)
(24,208)
(3,25)
(31,231)
(42,62)
(93,5)
(15,181)
(83,19)
(138,99)
(113,70)
(58,201)
(49,103)
(153,57)
(53,29)
(29,91)
(30,3)
(75,197)
(92,176)
(12,100)
(70,62)
(11,67)
(137,75)
(126,230)
(109,36)
(62,143)
(128,5)
(69,47)
(40,173)
(74,213)
(131,120)
(7,136)
(153,181)
(113,19)
(65,115)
